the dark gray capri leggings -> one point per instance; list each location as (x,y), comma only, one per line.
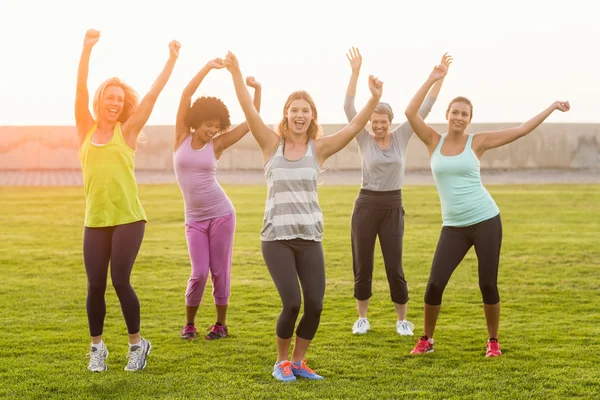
(119,246)
(378,214)
(289,261)
(452,247)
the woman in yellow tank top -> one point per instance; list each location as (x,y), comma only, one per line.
(114,217)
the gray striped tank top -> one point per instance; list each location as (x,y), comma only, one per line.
(292,210)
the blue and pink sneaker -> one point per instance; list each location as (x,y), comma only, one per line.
(282,371)
(300,369)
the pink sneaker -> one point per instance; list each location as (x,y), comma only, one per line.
(217,332)
(189,332)
(493,348)
(424,346)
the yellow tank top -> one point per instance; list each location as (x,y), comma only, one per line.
(109,183)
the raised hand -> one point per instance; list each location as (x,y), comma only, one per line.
(217,63)
(253,83)
(91,37)
(563,106)
(174,47)
(355,59)
(231,62)
(446,60)
(439,72)
(375,86)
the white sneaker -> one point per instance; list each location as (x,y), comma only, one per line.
(404,328)
(361,326)
(137,356)
(97,358)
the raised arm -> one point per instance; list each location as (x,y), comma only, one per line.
(133,126)
(484,141)
(266,137)
(83,118)
(405,129)
(233,136)
(182,130)
(329,145)
(427,134)
(355,63)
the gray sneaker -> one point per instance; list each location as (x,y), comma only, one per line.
(97,358)
(137,356)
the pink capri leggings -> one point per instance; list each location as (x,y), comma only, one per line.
(210,245)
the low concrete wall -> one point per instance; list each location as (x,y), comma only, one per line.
(565,146)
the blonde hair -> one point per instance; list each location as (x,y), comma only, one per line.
(131,99)
(314,131)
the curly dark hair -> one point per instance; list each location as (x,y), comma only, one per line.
(206,109)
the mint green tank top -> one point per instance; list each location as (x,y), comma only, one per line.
(458,180)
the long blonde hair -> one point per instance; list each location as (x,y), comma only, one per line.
(314,131)
(131,99)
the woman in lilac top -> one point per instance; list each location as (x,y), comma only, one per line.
(209,215)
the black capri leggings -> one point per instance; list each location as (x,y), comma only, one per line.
(378,214)
(452,247)
(118,245)
(288,261)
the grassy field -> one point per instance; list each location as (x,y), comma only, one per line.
(549,287)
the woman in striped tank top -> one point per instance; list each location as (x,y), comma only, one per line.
(114,217)
(209,214)
(293,222)
(470,217)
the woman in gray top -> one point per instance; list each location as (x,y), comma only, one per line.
(378,210)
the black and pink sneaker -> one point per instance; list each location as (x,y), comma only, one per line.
(217,331)
(189,332)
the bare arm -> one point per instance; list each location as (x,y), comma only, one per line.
(329,145)
(426,133)
(355,63)
(233,136)
(182,130)
(136,122)
(484,141)
(266,137)
(83,118)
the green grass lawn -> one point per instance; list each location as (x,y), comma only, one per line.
(549,283)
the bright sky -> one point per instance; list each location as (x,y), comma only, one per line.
(513,58)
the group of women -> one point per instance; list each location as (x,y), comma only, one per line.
(294,155)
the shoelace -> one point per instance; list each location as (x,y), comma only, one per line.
(361,323)
(286,368)
(423,344)
(96,357)
(493,346)
(407,325)
(217,329)
(304,367)
(189,329)
(134,357)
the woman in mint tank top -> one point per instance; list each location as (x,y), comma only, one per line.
(114,218)
(378,210)
(293,221)
(470,217)
(201,136)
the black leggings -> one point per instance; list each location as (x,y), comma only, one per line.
(288,261)
(378,214)
(452,247)
(118,245)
